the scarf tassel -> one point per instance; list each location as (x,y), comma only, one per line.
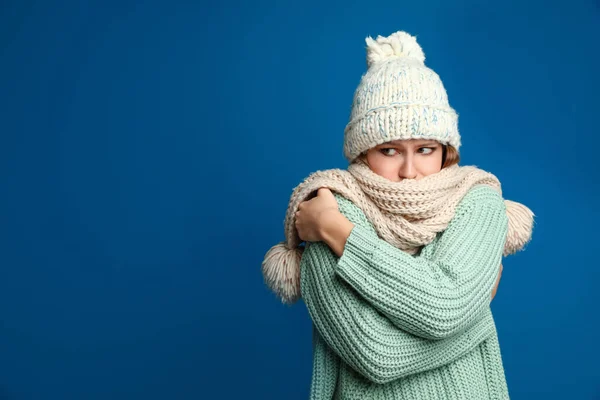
(520,227)
(281,272)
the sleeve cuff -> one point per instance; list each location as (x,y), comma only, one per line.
(357,254)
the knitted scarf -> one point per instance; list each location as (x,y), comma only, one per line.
(407,214)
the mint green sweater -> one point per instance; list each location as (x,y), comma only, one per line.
(390,325)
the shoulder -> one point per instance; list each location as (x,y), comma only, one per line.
(482,196)
(342,201)
(352,211)
(482,207)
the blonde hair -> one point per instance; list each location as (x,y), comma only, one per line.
(450,156)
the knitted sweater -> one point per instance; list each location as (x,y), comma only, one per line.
(389,325)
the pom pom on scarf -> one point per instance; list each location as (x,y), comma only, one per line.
(281,272)
(520,226)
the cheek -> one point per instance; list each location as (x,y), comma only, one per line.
(383,166)
(433,164)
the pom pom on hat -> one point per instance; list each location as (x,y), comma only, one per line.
(398,44)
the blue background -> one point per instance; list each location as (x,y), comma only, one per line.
(149,150)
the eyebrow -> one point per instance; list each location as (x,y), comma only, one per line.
(421,144)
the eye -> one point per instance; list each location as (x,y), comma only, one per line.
(430,148)
(384,151)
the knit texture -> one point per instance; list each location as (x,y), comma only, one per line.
(398,98)
(407,214)
(391,325)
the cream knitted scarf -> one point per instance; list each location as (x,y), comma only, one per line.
(407,214)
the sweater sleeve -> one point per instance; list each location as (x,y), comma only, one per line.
(326,365)
(438,295)
(364,338)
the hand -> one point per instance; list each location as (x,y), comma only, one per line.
(310,215)
(497,282)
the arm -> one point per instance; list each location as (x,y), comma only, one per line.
(364,338)
(439,295)
(326,365)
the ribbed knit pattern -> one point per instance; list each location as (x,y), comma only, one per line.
(398,98)
(390,325)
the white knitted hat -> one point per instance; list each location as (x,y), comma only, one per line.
(398,98)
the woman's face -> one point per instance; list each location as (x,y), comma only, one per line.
(406,159)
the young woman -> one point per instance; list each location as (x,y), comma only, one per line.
(403,250)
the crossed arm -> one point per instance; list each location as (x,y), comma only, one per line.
(389,314)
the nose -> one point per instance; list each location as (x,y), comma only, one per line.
(407,169)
